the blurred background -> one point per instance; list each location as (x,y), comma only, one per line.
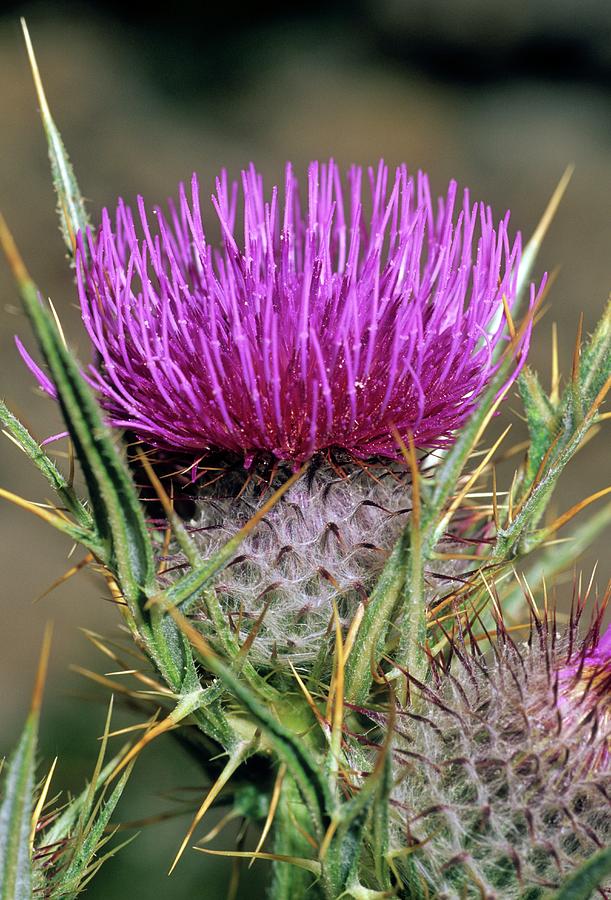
(501,96)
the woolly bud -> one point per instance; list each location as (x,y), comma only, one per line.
(325,541)
(505,780)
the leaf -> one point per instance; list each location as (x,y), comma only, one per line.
(15,817)
(558,429)
(369,642)
(412,619)
(582,883)
(69,884)
(81,805)
(18,800)
(50,516)
(70,204)
(596,359)
(341,848)
(289,748)
(521,528)
(291,840)
(117,511)
(19,434)
(541,419)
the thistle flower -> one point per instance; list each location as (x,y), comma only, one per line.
(506,781)
(326,330)
(325,327)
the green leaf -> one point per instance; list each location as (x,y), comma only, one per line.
(70,204)
(290,882)
(290,748)
(370,803)
(81,805)
(541,419)
(369,642)
(558,431)
(117,511)
(595,364)
(18,433)
(16,817)
(521,529)
(17,803)
(582,883)
(91,841)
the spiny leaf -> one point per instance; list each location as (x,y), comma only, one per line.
(342,845)
(554,425)
(17,803)
(369,642)
(117,511)
(582,883)
(541,419)
(62,827)
(556,559)
(596,359)
(19,434)
(70,204)
(520,529)
(412,621)
(289,748)
(70,884)
(291,840)
(15,818)
(81,535)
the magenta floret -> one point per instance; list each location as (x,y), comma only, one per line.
(326,325)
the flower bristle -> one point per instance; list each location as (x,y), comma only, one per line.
(326,327)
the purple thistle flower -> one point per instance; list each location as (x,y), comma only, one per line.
(324,327)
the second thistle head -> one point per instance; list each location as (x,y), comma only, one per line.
(505,786)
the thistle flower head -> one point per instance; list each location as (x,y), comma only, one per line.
(506,779)
(337,319)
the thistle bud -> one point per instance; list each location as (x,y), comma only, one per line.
(505,783)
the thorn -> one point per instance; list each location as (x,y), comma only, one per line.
(577,352)
(235,760)
(555,386)
(273,805)
(9,247)
(510,325)
(574,510)
(41,802)
(43,664)
(532,247)
(65,577)
(495,507)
